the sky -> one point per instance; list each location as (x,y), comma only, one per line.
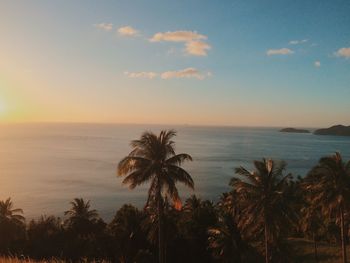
(195,62)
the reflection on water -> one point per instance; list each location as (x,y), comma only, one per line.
(44,166)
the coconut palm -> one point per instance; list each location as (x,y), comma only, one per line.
(263,199)
(153,160)
(225,240)
(329,186)
(80,217)
(192,203)
(10,214)
(81,210)
(311,223)
(12,225)
(127,232)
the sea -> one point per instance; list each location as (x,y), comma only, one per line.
(43,167)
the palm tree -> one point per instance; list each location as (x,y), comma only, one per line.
(329,186)
(81,210)
(10,214)
(225,240)
(12,225)
(81,217)
(262,196)
(126,227)
(311,223)
(192,203)
(153,160)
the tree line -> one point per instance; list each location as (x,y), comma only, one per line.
(250,223)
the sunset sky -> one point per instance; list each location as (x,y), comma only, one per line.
(249,63)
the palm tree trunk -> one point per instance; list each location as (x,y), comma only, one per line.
(160,228)
(266,244)
(315,248)
(342,227)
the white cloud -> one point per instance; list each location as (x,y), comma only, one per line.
(128,31)
(343,52)
(104,26)
(142,74)
(296,42)
(282,51)
(177,36)
(317,64)
(185,73)
(194,44)
(176,74)
(197,48)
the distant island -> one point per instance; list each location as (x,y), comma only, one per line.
(294,130)
(339,130)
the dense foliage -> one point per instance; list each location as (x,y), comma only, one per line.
(250,223)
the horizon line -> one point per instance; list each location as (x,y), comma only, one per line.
(156,124)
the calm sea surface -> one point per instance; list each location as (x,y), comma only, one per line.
(44,166)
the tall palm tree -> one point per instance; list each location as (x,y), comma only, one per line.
(329,186)
(153,160)
(262,196)
(10,214)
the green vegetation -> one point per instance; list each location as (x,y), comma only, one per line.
(267,216)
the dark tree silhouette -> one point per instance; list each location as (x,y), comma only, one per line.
(12,225)
(153,160)
(329,186)
(263,198)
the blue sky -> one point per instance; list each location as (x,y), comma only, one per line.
(256,63)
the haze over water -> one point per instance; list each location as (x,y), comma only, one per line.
(44,166)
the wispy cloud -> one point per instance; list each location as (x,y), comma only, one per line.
(194,42)
(141,74)
(177,36)
(104,26)
(197,48)
(296,42)
(176,74)
(343,52)
(128,31)
(281,51)
(185,73)
(317,64)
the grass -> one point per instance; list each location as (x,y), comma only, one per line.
(303,253)
(327,253)
(28,260)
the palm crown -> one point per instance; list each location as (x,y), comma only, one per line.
(8,213)
(153,160)
(262,194)
(81,210)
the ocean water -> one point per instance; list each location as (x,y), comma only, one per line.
(44,166)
